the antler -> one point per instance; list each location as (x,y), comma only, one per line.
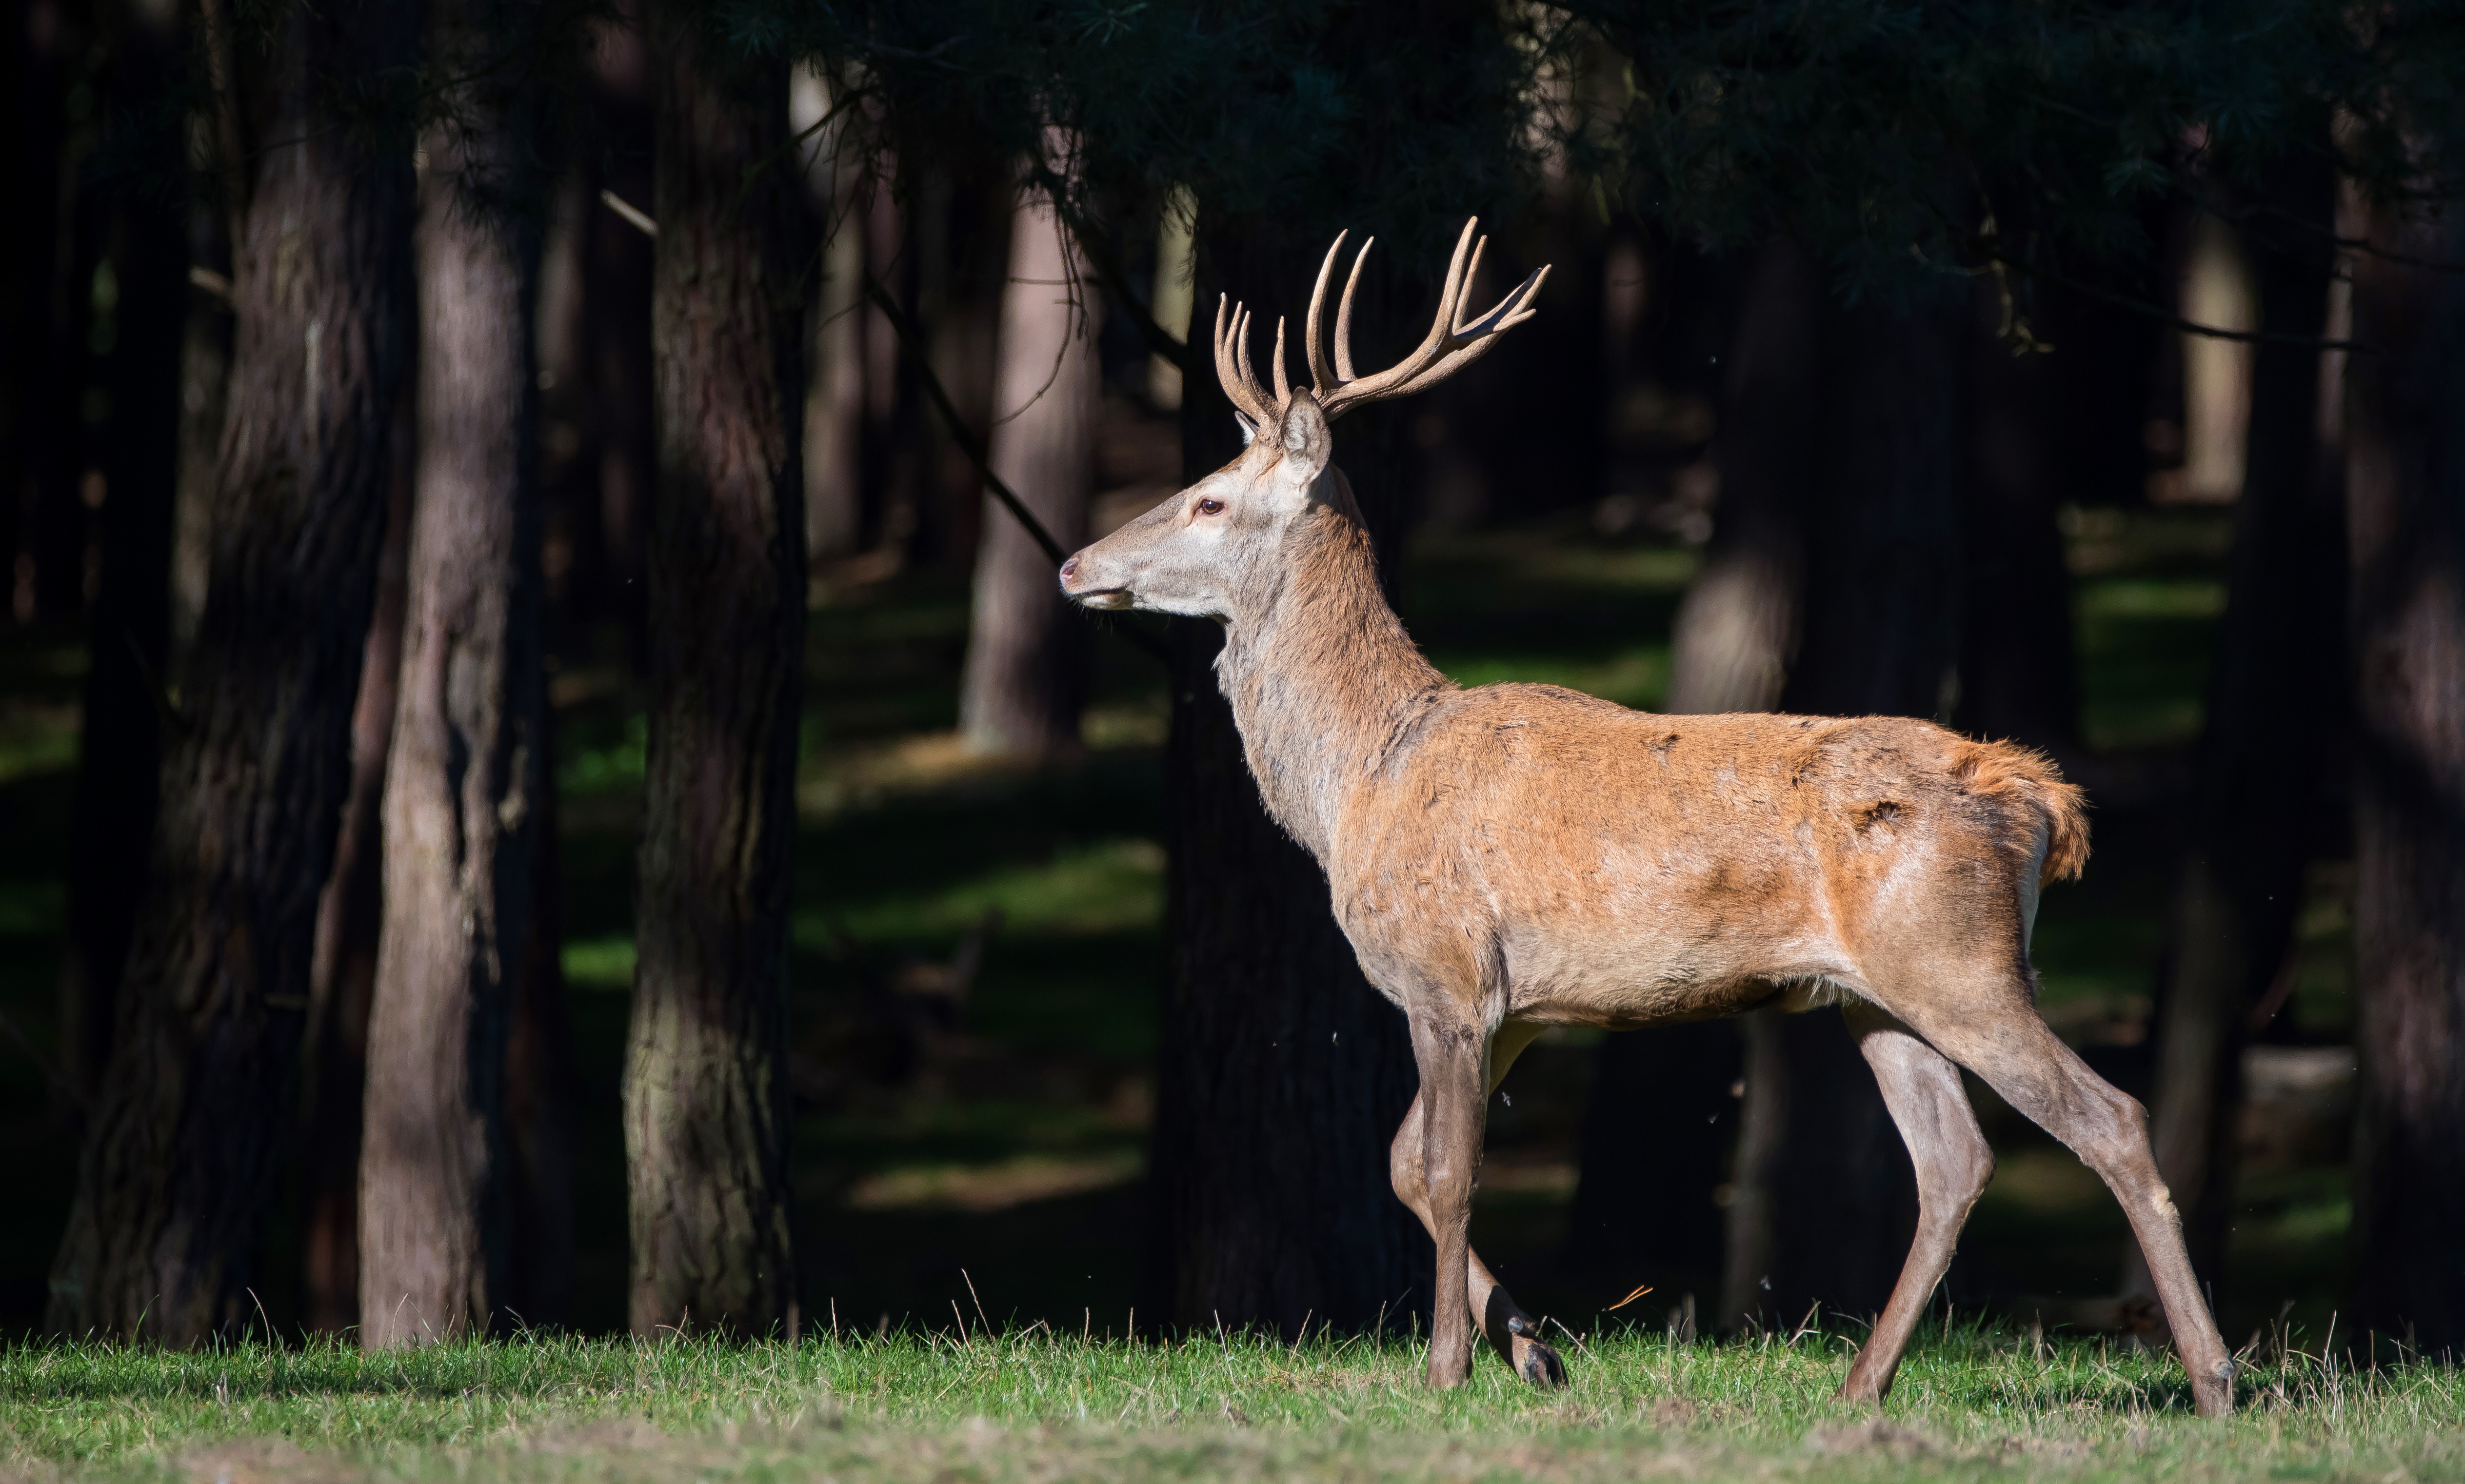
(1449,347)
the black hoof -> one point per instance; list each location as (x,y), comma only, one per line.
(1541,1367)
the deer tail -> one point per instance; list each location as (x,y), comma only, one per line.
(2057,811)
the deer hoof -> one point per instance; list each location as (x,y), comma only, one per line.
(1538,1364)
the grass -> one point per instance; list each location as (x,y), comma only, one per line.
(1033,1404)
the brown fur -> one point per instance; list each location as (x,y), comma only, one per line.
(1512,856)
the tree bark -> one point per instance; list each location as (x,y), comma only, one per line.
(1280,1074)
(181,1157)
(342,965)
(2256,816)
(705,1086)
(2406,523)
(1880,637)
(463,785)
(120,744)
(834,430)
(1660,1128)
(1022,687)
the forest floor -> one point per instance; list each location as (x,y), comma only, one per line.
(1037,1405)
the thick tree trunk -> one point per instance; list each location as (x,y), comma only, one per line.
(1280,1074)
(468,767)
(1662,1124)
(119,746)
(1737,629)
(205,382)
(2255,822)
(706,1080)
(1880,637)
(2405,439)
(180,1162)
(1021,690)
(343,968)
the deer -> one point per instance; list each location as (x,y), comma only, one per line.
(1510,857)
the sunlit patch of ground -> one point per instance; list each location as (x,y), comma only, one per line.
(1038,1403)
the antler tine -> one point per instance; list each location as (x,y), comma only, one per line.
(1283,386)
(1322,380)
(1344,313)
(1233,363)
(1450,343)
(1480,335)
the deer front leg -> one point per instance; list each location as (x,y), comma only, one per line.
(1502,1319)
(1452,1056)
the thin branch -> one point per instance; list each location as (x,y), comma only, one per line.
(974,447)
(2148,311)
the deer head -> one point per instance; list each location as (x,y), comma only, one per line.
(1199,552)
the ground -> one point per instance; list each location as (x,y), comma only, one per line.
(1037,1404)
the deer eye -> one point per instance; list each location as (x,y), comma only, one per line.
(1210,507)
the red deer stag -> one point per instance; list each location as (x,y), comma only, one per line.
(1515,856)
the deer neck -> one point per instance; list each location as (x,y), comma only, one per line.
(1322,678)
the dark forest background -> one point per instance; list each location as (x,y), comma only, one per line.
(547,783)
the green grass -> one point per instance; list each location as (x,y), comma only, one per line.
(1034,1403)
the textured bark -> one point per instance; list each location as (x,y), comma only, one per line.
(705,1083)
(119,745)
(2259,800)
(181,1157)
(1021,689)
(343,968)
(1880,637)
(1280,1074)
(468,767)
(204,383)
(2405,521)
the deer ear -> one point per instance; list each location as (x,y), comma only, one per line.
(1308,443)
(1249,428)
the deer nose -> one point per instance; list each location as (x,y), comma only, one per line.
(1069,569)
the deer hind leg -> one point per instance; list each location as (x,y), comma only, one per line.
(1998,1036)
(1953,1162)
(1502,1319)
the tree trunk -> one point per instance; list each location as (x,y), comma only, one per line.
(2019,677)
(706,1080)
(1021,690)
(64,244)
(463,785)
(540,1093)
(1737,628)
(1280,1074)
(182,1154)
(119,746)
(1661,1123)
(834,387)
(2405,521)
(2240,882)
(343,968)
(1882,636)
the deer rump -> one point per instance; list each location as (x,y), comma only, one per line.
(1624,869)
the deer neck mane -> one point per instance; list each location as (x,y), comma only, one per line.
(1322,678)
